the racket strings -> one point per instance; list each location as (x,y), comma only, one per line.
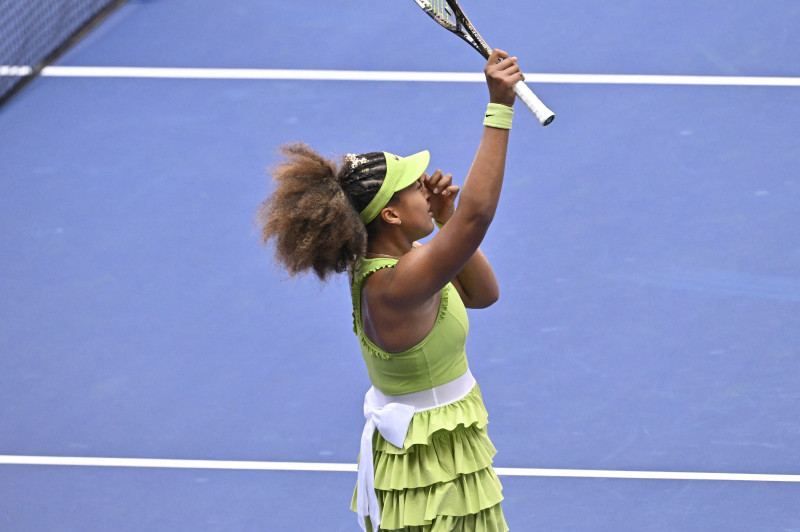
(447,16)
(443,12)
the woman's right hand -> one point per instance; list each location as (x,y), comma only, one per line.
(502,73)
(409,291)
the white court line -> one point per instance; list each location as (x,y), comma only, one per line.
(359,75)
(15,71)
(325,467)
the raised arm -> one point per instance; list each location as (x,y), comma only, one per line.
(419,275)
(476,282)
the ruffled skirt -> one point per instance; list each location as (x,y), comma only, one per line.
(442,479)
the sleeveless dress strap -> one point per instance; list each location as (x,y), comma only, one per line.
(363,269)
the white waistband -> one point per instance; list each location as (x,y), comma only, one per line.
(391,415)
(441,395)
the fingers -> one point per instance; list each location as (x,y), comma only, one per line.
(439,182)
(498,59)
(506,67)
(442,195)
(510,68)
(502,73)
(497,55)
(452,190)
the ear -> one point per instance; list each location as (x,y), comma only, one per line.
(390,216)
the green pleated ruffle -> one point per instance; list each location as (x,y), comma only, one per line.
(442,478)
(462,450)
(466,412)
(466,495)
(488,520)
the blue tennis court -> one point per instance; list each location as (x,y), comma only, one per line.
(159,372)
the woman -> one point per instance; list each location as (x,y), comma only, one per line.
(425,462)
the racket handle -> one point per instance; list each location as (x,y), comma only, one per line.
(543,114)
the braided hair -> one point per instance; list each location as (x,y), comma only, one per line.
(312,213)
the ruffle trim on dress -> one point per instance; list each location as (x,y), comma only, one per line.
(355,295)
(488,520)
(467,494)
(467,412)
(442,479)
(466,497)
(372,350)
(462,451)
(443,303)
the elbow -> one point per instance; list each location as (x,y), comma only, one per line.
(493,296)
(478,214)
(488,298)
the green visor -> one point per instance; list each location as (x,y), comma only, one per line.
(400,173)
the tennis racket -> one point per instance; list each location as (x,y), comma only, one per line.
(448,14)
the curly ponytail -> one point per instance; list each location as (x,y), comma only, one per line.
(313,222)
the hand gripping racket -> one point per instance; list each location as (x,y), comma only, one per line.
(449,15)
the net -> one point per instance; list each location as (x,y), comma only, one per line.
(34,32)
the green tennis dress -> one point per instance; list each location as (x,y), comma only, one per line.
(442,478)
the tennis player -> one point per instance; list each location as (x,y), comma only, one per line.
(425,461)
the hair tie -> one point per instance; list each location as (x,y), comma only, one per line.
(353,160)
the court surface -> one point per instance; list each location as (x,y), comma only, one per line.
(647,246)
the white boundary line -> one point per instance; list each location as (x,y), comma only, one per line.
(15,71)
(325,467)
(358,75)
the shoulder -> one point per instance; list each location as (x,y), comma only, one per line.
(363,277)
(377,283)
(365,268)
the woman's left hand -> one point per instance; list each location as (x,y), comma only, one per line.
(442,195)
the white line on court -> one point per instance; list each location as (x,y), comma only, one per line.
(325,467)
(358,75)
(15,71)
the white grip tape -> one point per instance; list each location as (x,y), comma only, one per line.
(543,114)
